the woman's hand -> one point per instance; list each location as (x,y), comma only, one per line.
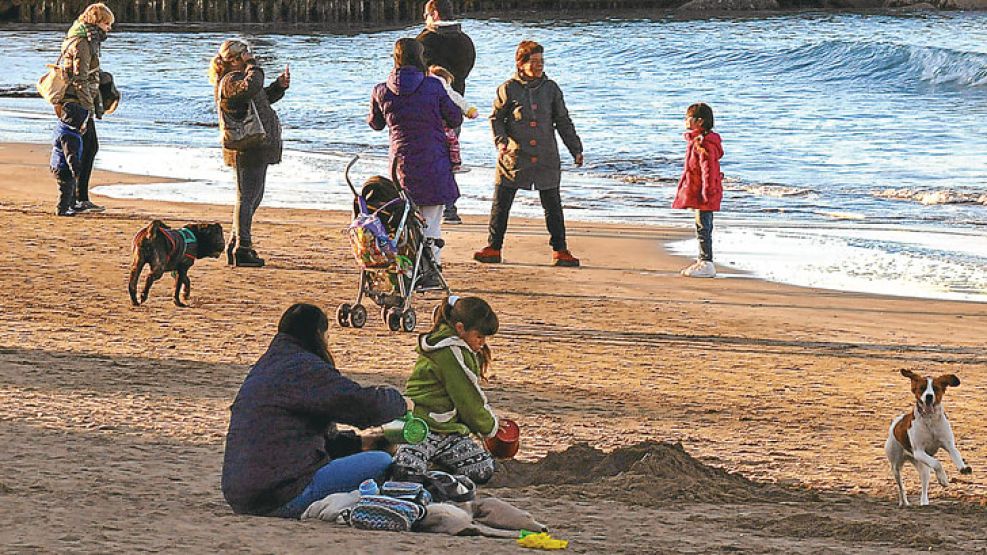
(285,78)
(409,403)
(578,160)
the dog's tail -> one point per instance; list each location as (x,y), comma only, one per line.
(154,230)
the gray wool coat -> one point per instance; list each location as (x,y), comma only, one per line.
(526,115)
(238,89)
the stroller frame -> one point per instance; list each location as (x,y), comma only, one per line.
(397,310)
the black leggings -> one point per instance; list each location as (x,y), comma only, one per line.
(500,212)
(90,146)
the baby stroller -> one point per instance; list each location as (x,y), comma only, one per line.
(394,256)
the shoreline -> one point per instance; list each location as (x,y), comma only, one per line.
(123,411)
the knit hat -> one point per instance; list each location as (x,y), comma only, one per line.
(109,93)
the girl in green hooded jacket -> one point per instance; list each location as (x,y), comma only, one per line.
(445,387)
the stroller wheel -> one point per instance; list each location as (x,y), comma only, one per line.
(358,316)
(409,320)
(343,315)
(394,319)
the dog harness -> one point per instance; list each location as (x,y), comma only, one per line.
(182,242)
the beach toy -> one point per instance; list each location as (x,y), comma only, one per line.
(505,444)
(407,429)
(541,540)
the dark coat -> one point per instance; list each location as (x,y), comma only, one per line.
(286,409)
(701,184)
(448,46)
(238,89)
(526,115)
(417,110)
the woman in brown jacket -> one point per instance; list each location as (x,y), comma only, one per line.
(238,81)
(80,54)
(527,112)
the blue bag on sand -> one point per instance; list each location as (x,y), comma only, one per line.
(380,512)
(409,491)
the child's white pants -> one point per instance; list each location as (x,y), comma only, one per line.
(433,227)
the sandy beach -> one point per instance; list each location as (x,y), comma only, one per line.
(768,404)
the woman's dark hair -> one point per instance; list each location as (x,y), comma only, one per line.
(475,315)
(524,51)
(702,111)
(308,324)
(408,52)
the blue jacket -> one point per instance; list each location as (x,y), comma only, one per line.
(417,111)
(285,411)
(66,150)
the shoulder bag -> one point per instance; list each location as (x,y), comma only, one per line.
(240,134)
(53,84)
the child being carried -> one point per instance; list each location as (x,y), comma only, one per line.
(452,137)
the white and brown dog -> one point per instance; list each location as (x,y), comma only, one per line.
(917,435)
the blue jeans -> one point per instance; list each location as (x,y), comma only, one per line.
(704,232)
(340,475)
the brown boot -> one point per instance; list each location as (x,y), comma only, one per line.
(487,255)
(247,258)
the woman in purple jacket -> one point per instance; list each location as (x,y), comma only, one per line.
(283,424)
(417,110)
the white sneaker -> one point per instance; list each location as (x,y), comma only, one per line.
(689,268)
(701,269)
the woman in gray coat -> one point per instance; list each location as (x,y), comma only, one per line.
(238,80)
(527,112)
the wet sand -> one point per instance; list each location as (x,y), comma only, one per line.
(113,417)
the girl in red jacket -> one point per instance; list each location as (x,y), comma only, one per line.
(701,185)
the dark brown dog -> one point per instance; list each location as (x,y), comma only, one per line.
(172,250)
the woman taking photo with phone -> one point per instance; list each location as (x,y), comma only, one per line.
(238,83)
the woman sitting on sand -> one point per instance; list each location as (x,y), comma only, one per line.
(283,424)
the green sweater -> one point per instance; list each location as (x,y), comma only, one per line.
(445,386)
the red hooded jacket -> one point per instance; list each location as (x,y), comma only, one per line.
(701,185)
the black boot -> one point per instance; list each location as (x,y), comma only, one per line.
(229,252)
(247,258)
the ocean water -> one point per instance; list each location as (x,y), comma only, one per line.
(854,155)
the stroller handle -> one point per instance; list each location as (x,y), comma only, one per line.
(347,174)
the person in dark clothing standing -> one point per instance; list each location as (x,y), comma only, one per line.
(66,154)
(446,45)
(283,424)
(527,112)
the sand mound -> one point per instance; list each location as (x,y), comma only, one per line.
(649,474)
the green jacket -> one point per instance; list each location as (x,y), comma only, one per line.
(445,386)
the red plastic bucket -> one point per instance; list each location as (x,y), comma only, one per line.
(505,444)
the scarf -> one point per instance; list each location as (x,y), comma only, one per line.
(92,33)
